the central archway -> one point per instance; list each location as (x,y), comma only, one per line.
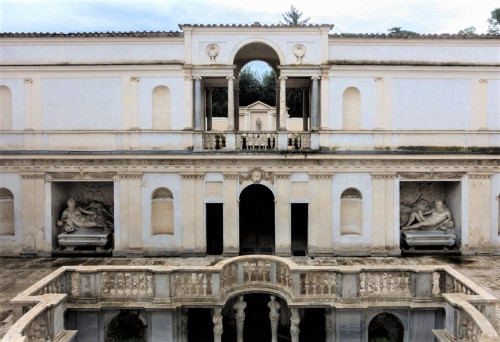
(256,220)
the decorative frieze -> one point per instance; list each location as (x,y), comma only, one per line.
(126,285)
(50,176)
(385,284)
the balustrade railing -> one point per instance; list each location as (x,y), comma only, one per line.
(257,141)
(212,285)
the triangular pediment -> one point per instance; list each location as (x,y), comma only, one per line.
(258,105)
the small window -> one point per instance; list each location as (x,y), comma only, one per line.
(162,212)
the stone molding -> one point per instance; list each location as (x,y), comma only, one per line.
(383,175)
(51,176)
(480,175)
(315,175)
(30,175)
(230,175)
(129,176)
(430,175)
(191,175)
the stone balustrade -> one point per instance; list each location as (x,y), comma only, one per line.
(467,305)
(257,141)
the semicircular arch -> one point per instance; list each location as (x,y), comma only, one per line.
(272,48)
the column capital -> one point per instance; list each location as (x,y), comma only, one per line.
(191,175)
(282,78)
(479,175)
(28,80)
(230,77)
(315,78)
(134,79)
(384,175)
(230,175)
(379,79)
(282,175)
(483,81)
(197,78)
(321,175)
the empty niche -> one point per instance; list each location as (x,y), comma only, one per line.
(5,108)
(162,212)
(351,109)
(6,212)
(161,108)
(351,212)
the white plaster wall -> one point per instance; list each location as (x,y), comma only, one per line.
(397,50)
(162,141)
(10,141)
(230,43)
(362,182)
(214,177)
(351,141)
(150,182)
(493,104)
(16,87)
(366,87)
(67,51)
(12,182)
(83,103)
(431,104)
(495,215)
(177,99)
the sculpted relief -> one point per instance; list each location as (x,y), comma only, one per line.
(93,215)
(422,215)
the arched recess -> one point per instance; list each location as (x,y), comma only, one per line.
(162,212)
(128,325)
(351,109)
(257,231)
(161,108)
(5,108)
(6,212)
(386,327)
(351,212)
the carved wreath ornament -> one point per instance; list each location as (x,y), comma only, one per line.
(212,51)
(256,175)
(299,51)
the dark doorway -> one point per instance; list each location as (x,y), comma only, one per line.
(385,328)
(256,220)
(214,223)
(126,326)
(300,221)
(312,325)
(200,326)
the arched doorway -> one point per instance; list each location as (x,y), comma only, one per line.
(256,220)
(385,327)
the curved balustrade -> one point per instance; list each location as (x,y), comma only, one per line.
(214,285)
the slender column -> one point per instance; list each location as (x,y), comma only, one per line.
(237,104)
(305,107)
(314,104)
(209,109)
(230,103)
(184,325)
(294,326)
(217,320)
(197,104)
(239,307)
(274,316)
(277,124)
(282,120)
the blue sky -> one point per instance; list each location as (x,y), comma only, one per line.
(348,16)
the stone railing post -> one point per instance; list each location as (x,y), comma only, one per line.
(350,286)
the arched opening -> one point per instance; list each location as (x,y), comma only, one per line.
(6,212)
(351,212)
(127,326)
(351,109)
(256,220)
(385,327)
(162,212)
(5,108)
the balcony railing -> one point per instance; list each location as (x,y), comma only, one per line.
(257,141)
(471,309)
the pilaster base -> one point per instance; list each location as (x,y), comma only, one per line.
(283,252)
(230,252)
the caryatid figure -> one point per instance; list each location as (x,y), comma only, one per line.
(274,316)
(239,307)
(217,320)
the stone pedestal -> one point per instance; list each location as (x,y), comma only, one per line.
(84,238)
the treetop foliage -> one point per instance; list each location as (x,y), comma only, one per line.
(494,22)
(399,30)
(293,16)
(468,31)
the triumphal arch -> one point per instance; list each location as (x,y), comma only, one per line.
(113,144)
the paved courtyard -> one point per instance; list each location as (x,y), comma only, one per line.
(16,274)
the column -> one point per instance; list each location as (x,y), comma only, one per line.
(209,109)
(294,324)
(277,96)
(315,104)
(283,227)
(324,100)
(230,103)
(239,307)
(282,119)
(217,320)
(231,227)
(305,109)
(197,104)
(237,105)
(274,316)
(479,209)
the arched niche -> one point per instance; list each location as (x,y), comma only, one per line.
(5,108)
(351,109)
(351,212)
(162,212)
(386,327)
(161,108)
(6,212)
(128,325)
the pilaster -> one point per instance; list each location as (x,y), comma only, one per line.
(230,237)
(321,214)
(192,216)
(323,108)
(32,185)
(383,214)
(479,209)
(283,239)
(130,213)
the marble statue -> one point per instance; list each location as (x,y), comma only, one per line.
(218,327)
(95,215)
(437,218)
(258,124)
(274,316)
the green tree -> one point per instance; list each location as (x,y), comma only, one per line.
(250,86)
(293,16)
(468,31)
(494,22)
(399,30)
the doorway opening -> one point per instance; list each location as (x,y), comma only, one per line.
(385,327)
(200,325)
(300,221)
(257,220)
(214,224)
